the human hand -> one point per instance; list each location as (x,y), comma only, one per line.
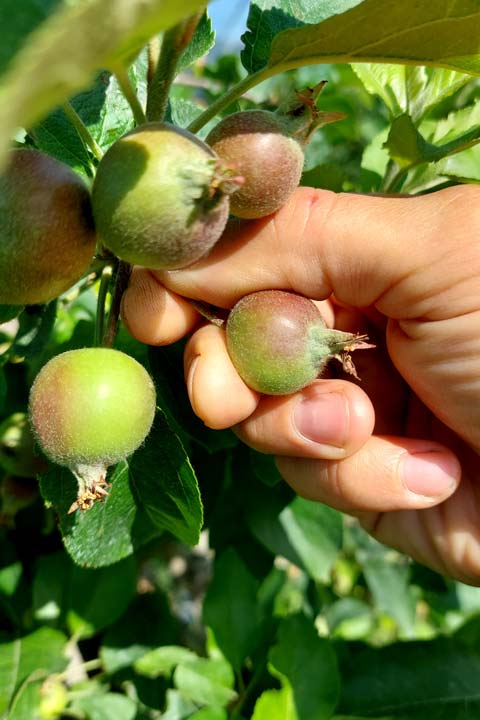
(400,449)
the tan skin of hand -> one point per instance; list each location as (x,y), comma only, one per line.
(399,449)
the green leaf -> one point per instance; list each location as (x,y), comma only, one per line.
(64,53)
(384,31)
(57,137)
(34,330)
(97,598)
(106,706)
(463,167)
(267,18)
(315,532)
(183,112)
(163,660)
(276,705)
(109,531)
(309,663)
(9,312)
(387,81)
(165,483)
(206,681)
(16,26)
(10,577)
(41,653)
(437,680)
(202,41)
(87,600)
(442,84)
(104,110)
(147,624)
(178,707)
(50,586)
(263,511)
(409,148)
(349,618)
(210,713)
(387,576)
(153,491)
(231,608)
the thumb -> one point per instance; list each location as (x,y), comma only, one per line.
(415,259)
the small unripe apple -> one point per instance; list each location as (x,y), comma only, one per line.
(279,343)
(267,150)
(89,409)
(161,197)
(48,238)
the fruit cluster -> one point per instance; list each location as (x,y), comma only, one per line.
(161,199)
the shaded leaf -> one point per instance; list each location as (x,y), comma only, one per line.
(309,663)
(267,18)
(34,330)
(147,624)
(413,680)
(165,483)
(97,598)
(41,653)
(17,26)
(231,609)
(315,532)
(387,576)
(9,312)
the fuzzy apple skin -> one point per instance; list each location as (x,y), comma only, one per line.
(155,201)
(91,407)
(258,145)
(270,340)
(48,239)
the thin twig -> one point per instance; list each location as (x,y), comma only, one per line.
(83,131)
(121,73)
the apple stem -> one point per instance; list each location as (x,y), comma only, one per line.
(175,40)
(124,270)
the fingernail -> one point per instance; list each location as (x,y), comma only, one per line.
(322,418)
(431,474)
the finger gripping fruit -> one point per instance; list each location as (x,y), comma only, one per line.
(161,197)
(266,149)
(279,343)
(89,409)
(48,238)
